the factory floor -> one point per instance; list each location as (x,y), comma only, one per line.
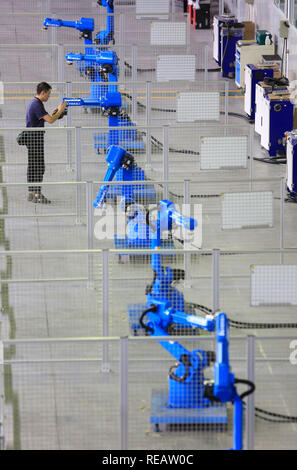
(62,389)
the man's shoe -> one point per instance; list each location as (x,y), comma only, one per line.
(38,198)
(42,199)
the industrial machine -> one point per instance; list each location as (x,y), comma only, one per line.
(227,31)
(122,167)
(105,65)
(218,22)
(86,28)
(274,114)
(201,15)
(138,233)
(253,75)
(230,34)
(249,52)
(92,45)
(189,398)
(291,153)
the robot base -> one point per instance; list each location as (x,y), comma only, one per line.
(212,417)
(124,243)
(135,311)
(143,194)
(124,140)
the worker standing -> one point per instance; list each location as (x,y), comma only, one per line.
(36,116)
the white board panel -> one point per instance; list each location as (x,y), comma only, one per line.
(273,285)
(152,8)
(175,67)
(223,152)
(168,33)
(198,106)
(247,210)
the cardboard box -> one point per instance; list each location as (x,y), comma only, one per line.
(249,30)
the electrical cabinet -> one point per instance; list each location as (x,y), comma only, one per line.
(248,52)
(276,118)
(218,21)
(201,16)
(253,75)
(291,152)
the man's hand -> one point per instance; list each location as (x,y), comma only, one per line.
(62,106)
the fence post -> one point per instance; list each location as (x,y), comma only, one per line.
(165,160)
(215,280)
(134,80)
(61,77)
(121,47)
(282,215)
(90,232)
(206,64)
(78,173)
(105,308)
(226,102)
(148,162)
(69,124)
(2,398)
(187,243)
(124,391)
(250,406)
(251,139)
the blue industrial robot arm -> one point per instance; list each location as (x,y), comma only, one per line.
(159,317)
(106,60)
(116,158)
(104,37)
(110,100)
(84,25)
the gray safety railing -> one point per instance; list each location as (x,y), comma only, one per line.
(78,153)
(55,403)
(227,210)
(44,292)
(143,103)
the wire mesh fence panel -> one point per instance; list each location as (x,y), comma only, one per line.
(51,295)
(163,412)
(21,62)
(62,400)
(52,219)
(18,95)
(236,295)
(134,281)
(23,6)
(214,234)
(34,155)
(275,406)
(164,108)
(289,221)
(18,27)
(186,159)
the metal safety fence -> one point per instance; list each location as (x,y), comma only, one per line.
(50,62)
(181,151)
(142,103)
(241,214)
(81,293)
(57,394)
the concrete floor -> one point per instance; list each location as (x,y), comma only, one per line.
(62,394)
